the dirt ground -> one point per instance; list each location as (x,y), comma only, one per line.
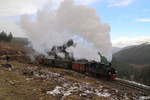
(23,81)
(30,82)
(15,85)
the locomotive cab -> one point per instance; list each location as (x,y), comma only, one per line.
(111,72)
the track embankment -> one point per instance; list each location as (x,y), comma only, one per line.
(130,84)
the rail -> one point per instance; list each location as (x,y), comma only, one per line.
(140,87)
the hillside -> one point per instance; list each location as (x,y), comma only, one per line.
(30,82)
(20,40)
(24,81)
(139,54)
(133,63)
(124,70)
(115,50)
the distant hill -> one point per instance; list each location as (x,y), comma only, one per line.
(20,40)
(115,50)
(139,54)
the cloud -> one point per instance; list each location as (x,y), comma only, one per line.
(9,25)
(20,7)
(120,3)
(126,41)
(10,10)
(86,2)
(17,7)
(143,20)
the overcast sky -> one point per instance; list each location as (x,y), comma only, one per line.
(129,19)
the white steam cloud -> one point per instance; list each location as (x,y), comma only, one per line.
(56,26)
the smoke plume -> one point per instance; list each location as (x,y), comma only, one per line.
(79,22)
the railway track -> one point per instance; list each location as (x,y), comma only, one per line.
(125,85)
(143,89)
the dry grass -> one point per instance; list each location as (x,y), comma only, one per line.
(20,84)
(16,86)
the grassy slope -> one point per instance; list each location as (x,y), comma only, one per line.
(16,86)
(20,40)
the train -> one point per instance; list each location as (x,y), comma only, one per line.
(93,68)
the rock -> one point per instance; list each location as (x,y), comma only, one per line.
(27,72)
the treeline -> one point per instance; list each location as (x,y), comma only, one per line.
(143,75)
(129,72)
(124,70)
(4,37)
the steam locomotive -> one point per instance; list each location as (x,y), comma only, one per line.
(93,68)
(84,66)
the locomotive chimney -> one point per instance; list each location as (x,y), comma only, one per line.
(99,56)
(103,59)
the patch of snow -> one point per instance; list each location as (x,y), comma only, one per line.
(103,94)
(67,93)
(133,82)
(55,91)
(65,85)
(88,92)
(144,98)
(83,89)
(116,91)
(126,97)
(139,84)
(83,94)
(29,79)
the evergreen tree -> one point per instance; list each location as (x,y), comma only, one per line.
(144,75)
(10,37)
(3,36)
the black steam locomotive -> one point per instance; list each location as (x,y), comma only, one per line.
(93,68)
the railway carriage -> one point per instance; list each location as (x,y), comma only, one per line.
(79,66)
(94,68)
